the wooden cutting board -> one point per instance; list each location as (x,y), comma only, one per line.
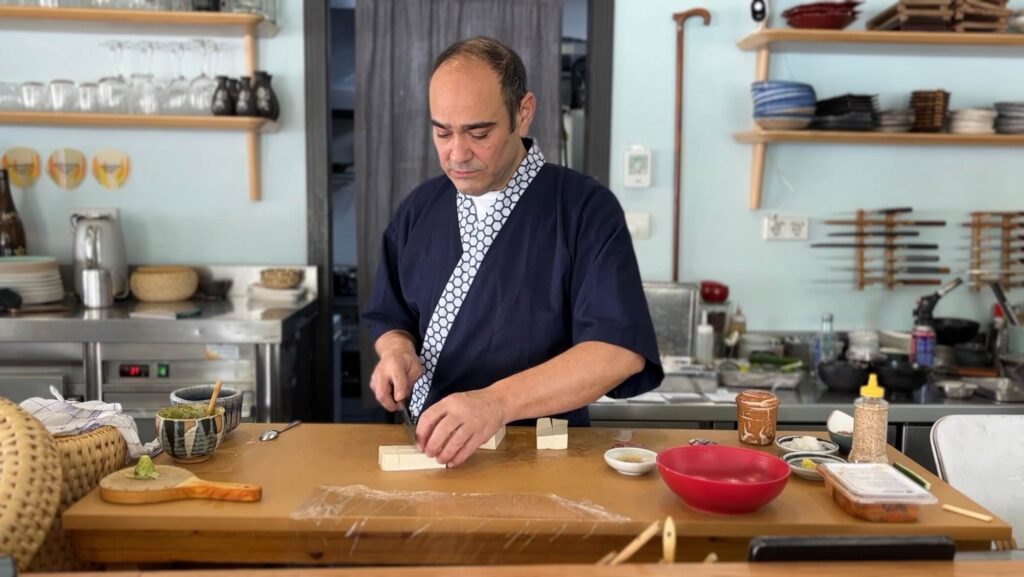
(173,484)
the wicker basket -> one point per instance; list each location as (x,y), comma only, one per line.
(281,278)
(163,284)
(30,481)
(85,459)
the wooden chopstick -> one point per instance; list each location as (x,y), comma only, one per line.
(966,513)
(637,543)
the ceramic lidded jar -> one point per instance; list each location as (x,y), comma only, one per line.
(245,105)
(756,417)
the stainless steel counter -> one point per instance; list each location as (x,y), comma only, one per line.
(809,403)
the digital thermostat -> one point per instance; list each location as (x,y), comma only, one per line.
(638,167)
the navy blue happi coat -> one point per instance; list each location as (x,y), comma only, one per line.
(561,271)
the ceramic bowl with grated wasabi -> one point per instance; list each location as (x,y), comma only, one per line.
(187,434)
(806,444)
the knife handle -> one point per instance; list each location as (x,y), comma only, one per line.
(924,270)
(917,246)
(918,282)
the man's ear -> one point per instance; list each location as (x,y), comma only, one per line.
(524,117)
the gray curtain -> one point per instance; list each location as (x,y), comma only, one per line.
(396,44)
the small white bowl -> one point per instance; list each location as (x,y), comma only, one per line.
(630,460)
(827,447)
(795,460)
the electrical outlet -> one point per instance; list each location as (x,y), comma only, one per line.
(639,225)
(778,227)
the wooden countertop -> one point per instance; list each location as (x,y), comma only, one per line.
(892,569)
(323,481)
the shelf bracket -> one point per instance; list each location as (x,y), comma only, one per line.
(759,148)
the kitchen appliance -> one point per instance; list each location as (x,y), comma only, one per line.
(105,226)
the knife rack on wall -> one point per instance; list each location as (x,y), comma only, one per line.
(895,267)
(996,257)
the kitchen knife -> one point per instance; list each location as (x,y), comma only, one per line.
(902,270)
(895,258)
(873,281)
(894,223)
(410,429)
(888,234)
(874,245)
(899,210)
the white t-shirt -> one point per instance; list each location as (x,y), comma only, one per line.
(484,202)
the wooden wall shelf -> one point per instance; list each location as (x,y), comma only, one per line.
(179,23)
(74,119)
(769,36)
(248,27)
(905,138)
(766,40)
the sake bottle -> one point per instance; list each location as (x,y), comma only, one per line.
(12,233)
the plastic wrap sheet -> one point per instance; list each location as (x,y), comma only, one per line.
(447,527)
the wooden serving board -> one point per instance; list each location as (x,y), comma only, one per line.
(173,484)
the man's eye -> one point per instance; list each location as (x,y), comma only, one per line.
(443,134)
(479,135)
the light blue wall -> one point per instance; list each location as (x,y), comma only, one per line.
(187,198)
(721,238)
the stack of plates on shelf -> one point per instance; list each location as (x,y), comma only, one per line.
(930,108)
(827,15)
(847,112)
(973,121)
(35,278)
(1011,118)
(896,120)
(261,293)
(782,105)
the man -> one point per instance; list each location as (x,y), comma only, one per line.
(508,288)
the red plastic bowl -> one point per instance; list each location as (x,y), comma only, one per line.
(713,292)
(723,480)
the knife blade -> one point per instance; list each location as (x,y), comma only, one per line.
(869,222)
(874,281)
(895,258)
(900,270)
(899,210)
(913,246)
(887,234)
(410,429)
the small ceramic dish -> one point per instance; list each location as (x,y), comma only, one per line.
(957,389)
(797,462)
(786,444)
(630,460)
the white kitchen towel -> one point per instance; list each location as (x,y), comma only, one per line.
(62,417)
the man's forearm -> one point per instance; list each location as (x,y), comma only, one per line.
(569,381)
(393,341)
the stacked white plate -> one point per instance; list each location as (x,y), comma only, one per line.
(896,120)
(1011,117)
(973,121)
(35,278)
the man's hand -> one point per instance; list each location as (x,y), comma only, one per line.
(454,428)
(399,368)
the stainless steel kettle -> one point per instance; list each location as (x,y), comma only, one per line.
(104,231)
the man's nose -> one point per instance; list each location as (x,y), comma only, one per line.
(460,151)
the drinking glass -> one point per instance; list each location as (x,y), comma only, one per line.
(10,96)
(114,92)
(62,95)
(88,97)
(203,86)
(146,91)
(33,96)
(177,94)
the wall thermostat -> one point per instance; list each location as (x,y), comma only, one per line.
(638,167)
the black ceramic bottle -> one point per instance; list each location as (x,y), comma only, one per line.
(223,103)
(206,5)
(245,105)
(266,99)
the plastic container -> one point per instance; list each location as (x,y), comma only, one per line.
(870,424)
(923,341)
(874,492)
(825,345)
(705,348)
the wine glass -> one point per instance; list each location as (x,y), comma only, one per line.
(178,93)
(147,93)
(113,90)
(203,86)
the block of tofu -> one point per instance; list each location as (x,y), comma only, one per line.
(495,441)
(552,433)
(404,458)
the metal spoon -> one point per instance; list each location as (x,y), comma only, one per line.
(271,434)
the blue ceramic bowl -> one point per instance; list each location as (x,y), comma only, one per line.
(190,440)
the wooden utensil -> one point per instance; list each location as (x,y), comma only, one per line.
(213,398)
(636,544)
(172,484)
(668,541)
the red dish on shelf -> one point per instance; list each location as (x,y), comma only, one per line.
(821,20)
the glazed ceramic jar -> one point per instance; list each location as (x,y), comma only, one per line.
(756,416)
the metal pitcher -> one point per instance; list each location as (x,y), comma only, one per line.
(109,250)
